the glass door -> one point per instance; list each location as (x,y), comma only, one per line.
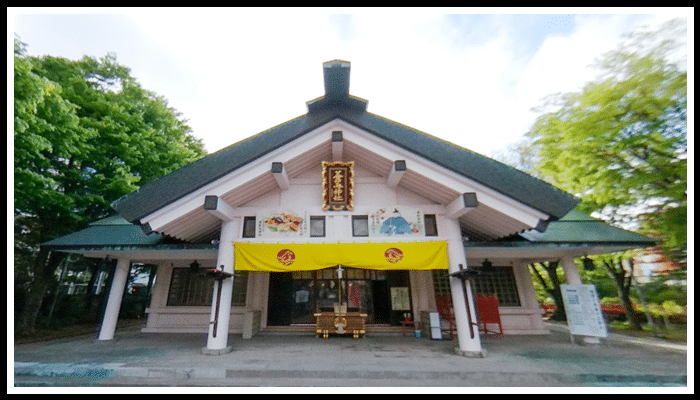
(303,304)
(296,296)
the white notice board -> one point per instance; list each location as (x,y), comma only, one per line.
(583,313)
(399,299)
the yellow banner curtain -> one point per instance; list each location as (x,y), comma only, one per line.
(275,257)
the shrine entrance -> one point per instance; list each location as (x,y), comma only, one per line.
(295,296)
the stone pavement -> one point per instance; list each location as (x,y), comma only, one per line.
(302,360)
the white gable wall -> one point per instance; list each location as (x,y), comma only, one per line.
(377,154)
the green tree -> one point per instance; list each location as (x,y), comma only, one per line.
(623,277)
(85,134)
(620,144)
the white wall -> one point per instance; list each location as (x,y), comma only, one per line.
(164,318)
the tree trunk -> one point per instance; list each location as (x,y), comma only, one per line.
(45,269)
(629,311)
(553,289)
(623,282)
(559,312)
(57,292)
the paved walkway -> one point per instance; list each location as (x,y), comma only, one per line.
(270,360)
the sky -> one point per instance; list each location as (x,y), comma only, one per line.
(468,76)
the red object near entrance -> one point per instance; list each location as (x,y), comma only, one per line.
(444,306)
(488,313)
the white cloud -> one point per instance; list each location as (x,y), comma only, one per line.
(235,72)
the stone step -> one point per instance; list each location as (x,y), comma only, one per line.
(95,375)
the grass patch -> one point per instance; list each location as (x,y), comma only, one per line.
(676,334)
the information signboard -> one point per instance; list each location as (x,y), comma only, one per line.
(399,299)
(583,313)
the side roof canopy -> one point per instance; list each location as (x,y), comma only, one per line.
(114,236)
(111,231)
(575,234)
(577,227)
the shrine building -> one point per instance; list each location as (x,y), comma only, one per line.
(343,212)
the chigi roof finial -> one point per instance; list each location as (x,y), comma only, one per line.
(336,83)
(336,79)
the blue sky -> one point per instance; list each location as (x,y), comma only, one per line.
(469,76)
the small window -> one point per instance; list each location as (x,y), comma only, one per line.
(499,281)
(360,225)
(430,225)
(317,226)
(188,288)
(249,227)
(441,282)
(240,288)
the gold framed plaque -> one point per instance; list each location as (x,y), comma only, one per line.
(338,185)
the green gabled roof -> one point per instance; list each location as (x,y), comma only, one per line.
(112,231)
(488,172)
(171,187)
(338,103)
(577,227)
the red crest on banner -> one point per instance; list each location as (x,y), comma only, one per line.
(286,257)
(393,255)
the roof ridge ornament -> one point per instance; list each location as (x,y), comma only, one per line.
(336,83)
(336,78)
